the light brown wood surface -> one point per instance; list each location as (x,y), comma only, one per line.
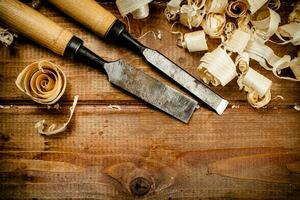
(89,13)
(243,154)
(30,23)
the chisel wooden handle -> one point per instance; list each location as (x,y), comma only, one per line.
(89,13)
(30,23)
(92,15)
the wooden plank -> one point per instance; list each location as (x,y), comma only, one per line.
(99,90)
(245,153)
(239,155)
(118,128)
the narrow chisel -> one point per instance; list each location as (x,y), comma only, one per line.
(105,24)
(32,24)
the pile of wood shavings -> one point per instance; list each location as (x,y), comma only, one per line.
(243,27)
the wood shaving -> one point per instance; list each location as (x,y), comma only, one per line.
(172,10)
(278,97)
(256,81)
(263,54)
(297,107)
(213,71)
(214,24)
(255,5)
(265,22)
(156,34)
(229,29)
(6,107)
(274,4)
(295,14)
(138,9)
(194,41)
(56,106)
(35,3)
(294,66)
(237,42)
(216,6)
(235,106)
(243,24)
(237,8)
(256,85)
(115,107)
(290,31)
(191,15)
(53,129)
(44,82)
(6,37)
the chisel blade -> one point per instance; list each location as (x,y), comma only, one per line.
(151,90)
(186,80)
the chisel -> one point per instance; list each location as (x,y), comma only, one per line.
(105,24)
(32,24)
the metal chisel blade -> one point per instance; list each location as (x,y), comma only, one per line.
(151,90)
(186,80)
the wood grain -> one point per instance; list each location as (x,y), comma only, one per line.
(30,23)
(243,154)
(89,13)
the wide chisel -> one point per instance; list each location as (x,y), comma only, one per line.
(32,24)
(105,24)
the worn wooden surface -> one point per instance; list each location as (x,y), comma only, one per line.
(245,153)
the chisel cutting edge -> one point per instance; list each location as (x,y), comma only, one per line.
(42,30)
(105,24)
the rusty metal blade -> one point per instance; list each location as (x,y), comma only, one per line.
(151,90)
(186,80)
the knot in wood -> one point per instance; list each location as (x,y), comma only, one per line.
(140,186)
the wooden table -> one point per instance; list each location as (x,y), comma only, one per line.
(108,153)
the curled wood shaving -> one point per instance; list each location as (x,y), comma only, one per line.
(52,129)
(274,4)
(266,22)
(214,24)
(44,82)
(257,82)
(138,9)
(229,29)
(255,5)
(263,54)
(191,15)
(6,37)
(243,24)
(194,41)
(290,31)
(172,10)
(294,66)
(256,85)
(237,8)
(35,3)
(156,34)
(213,71)
(216,6)
(242,61)
(278,97)
(297,107)
(237,42)
(295,14)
